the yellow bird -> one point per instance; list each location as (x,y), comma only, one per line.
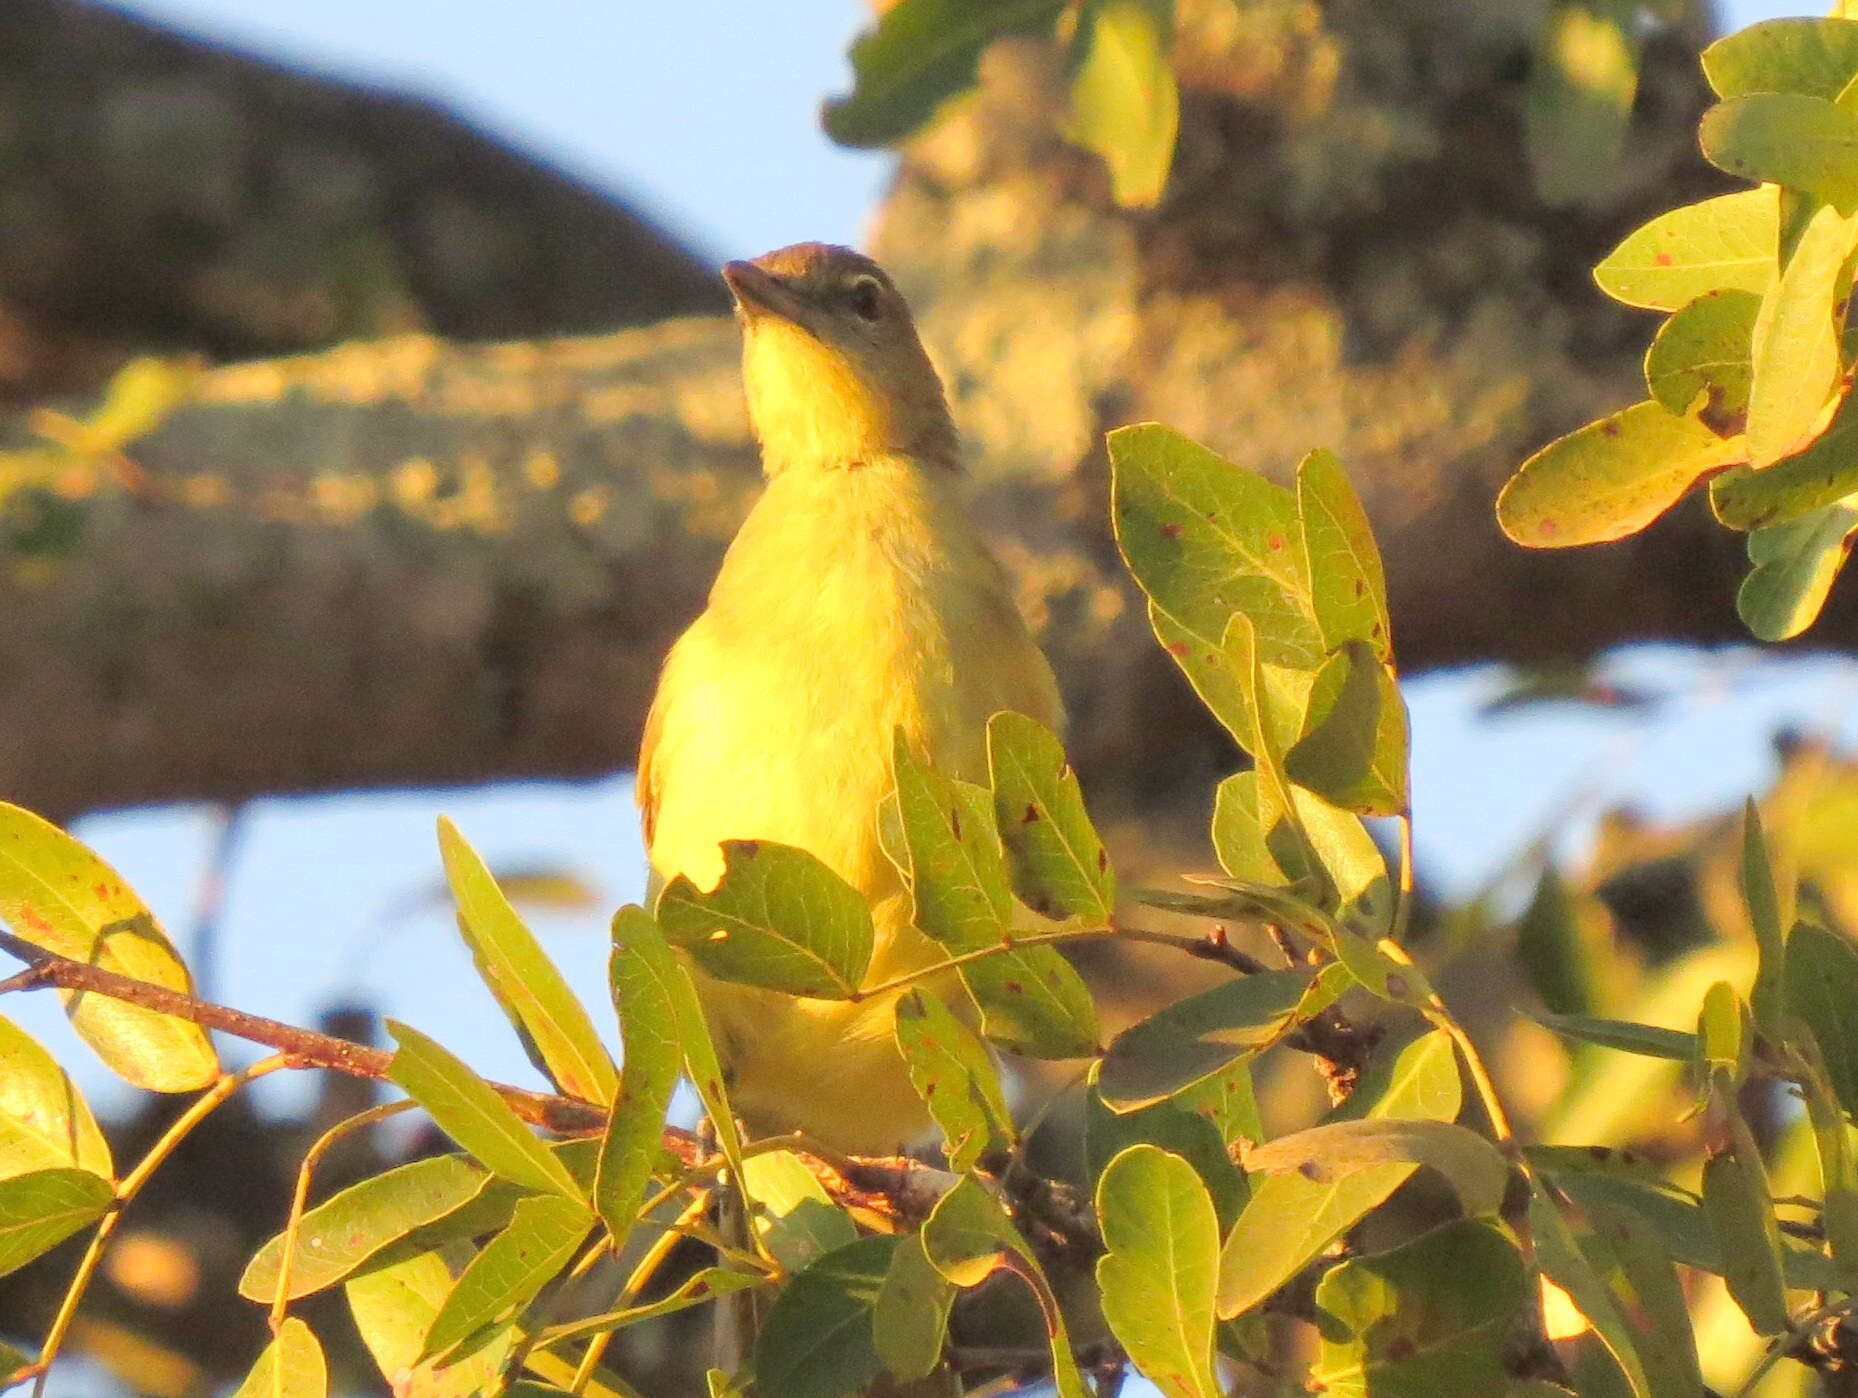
(858,598)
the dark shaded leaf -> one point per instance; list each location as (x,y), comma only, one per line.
(1353,751)
(1786,138)
(1706,348)
(911,1315)
(1196,1037)
(920,54)
(816,1342)
(951,1072)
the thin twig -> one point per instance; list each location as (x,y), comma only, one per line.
(305,1048)
(131,1185)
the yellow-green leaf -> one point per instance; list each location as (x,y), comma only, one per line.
(645,978)
(58,895)
(468,1109)
(1059,865)
(779,919)
(1124,103)
(504,1278)
(45,1124)
(1815,56)
(1161,1268)
(1347,583)
(1796,339)
(1725,243)
(1353,751)
(1469,1163)
(1705,348)
(1610,478)
(1795,565)
(525,982)
(1787,138)
(1821,473)
(39,1210)
(951,1072)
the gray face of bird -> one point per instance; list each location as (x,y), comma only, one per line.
(835,371)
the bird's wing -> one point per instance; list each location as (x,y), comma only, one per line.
(644,786)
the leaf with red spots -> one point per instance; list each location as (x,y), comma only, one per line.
(1610,478)
(49,887)
(942,835)
(1348,585)
(1433,1316)
(953,1074)
(1053,851)
(1723,243)
(1206,538)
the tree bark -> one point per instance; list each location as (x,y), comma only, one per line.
(413,561)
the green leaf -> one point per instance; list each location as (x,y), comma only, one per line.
(779,919)
(968,1237)
(1817,57)
(793,1217)
(1722,1039)
(1645,1039)
(1838,1171)
(345,1230)
(636,933)
(1583,75)
(951,856)
(1736,1197)
(816,1342)
(1194,1038)
(1682,1227)
(393,1303)
(699,1289)
(1610,478)
(1723,244)
(1822,473)
(1795,359)
(1469,1163)
(1353,751)
(1428,1318)
(500,1281)
(56,894)
(1632,1262)
(911,1315)
(1206,538)
(1193,1126)
(1124,103)
(1289,1220)
(1794,567)
(1770,901)
(39,1210)
(952,1073)
(920,54)
(1348,586)
(45,1124)
(1706,348)
(291,1366)
(1559,1255)
(1326,845)
(1158,1276)
(468,1109)
(1030,998)
(525,982)
(1557,950)
(1059,865)
(646,980)
(1822,989)
(1787,138)
(1421,1083)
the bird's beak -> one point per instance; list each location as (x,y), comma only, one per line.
(760,293)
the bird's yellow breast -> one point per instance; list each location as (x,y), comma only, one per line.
(854,602)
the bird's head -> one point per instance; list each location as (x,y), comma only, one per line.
(836,374)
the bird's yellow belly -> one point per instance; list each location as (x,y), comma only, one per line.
(776,717)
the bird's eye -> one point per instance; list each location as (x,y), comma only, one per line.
(867,298)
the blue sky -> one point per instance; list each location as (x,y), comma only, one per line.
(706,113)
